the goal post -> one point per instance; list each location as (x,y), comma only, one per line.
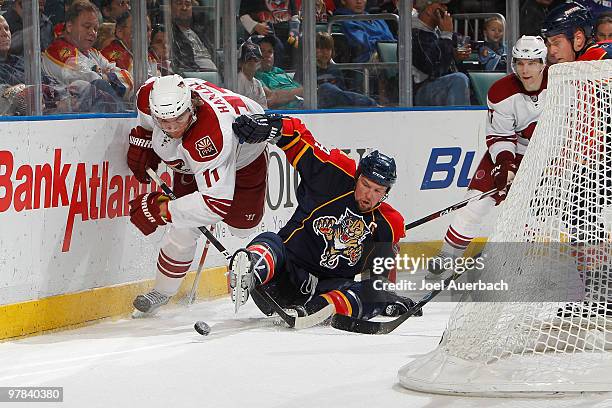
(559,210)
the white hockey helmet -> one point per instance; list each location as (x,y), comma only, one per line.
(170,97)
(530,47)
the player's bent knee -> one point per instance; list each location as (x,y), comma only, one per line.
(263,259)
(180,243)
(268,255)
(181,236)
(475,210)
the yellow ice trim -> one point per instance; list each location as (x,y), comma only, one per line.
(76,309)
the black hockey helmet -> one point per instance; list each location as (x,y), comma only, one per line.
(566,19)
(379,168)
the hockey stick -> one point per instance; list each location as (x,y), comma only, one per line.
(351,324)
(449,209)
(168,191)
(294,322)
(192,293)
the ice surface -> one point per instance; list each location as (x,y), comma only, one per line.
(246,361)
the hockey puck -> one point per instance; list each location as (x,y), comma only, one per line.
(202,327)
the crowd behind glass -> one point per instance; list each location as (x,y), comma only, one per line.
(87,46)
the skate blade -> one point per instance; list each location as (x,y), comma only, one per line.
(240,265)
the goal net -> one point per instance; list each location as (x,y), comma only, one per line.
(550,333)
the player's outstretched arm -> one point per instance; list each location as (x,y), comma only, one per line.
(319,168)
(258,128)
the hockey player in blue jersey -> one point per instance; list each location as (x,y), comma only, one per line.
(567,30)
(340,226)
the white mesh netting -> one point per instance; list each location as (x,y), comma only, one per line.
(551,332)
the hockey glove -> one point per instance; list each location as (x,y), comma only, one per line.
(258,128)
(145,212)
(141,154)
(504,171)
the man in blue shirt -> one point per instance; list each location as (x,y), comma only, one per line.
(433,55)
(362,35)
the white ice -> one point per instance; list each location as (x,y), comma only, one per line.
(244,362)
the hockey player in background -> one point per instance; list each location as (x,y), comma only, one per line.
(567,30)
(515,103)
(341,228)
(187,124)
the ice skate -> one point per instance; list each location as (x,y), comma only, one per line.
(436,266)
(240,277)
(148,304)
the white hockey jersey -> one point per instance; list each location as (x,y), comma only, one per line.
(208,149)
(513,115)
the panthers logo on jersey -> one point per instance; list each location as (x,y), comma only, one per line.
(343,238)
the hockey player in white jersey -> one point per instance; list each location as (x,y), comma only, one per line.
(515,102)
(187,124)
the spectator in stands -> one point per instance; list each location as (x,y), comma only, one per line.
(603,27)
(433,56)
(58,17)
(55,10)
(154,12)
(362,35)
(72,57)
(322,12)
(249,59)
(391,6)
(332,91)
(493,54)
(191,47)
(11,66)
(596,7)
(277,18)
(285,93)
(324,9)
(106,34)
(119,50)
(158,48)
(15,22)
(112,9)
(532,14)
(14,93)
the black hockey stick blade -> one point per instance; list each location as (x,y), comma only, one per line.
(355,325)
(264,297)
